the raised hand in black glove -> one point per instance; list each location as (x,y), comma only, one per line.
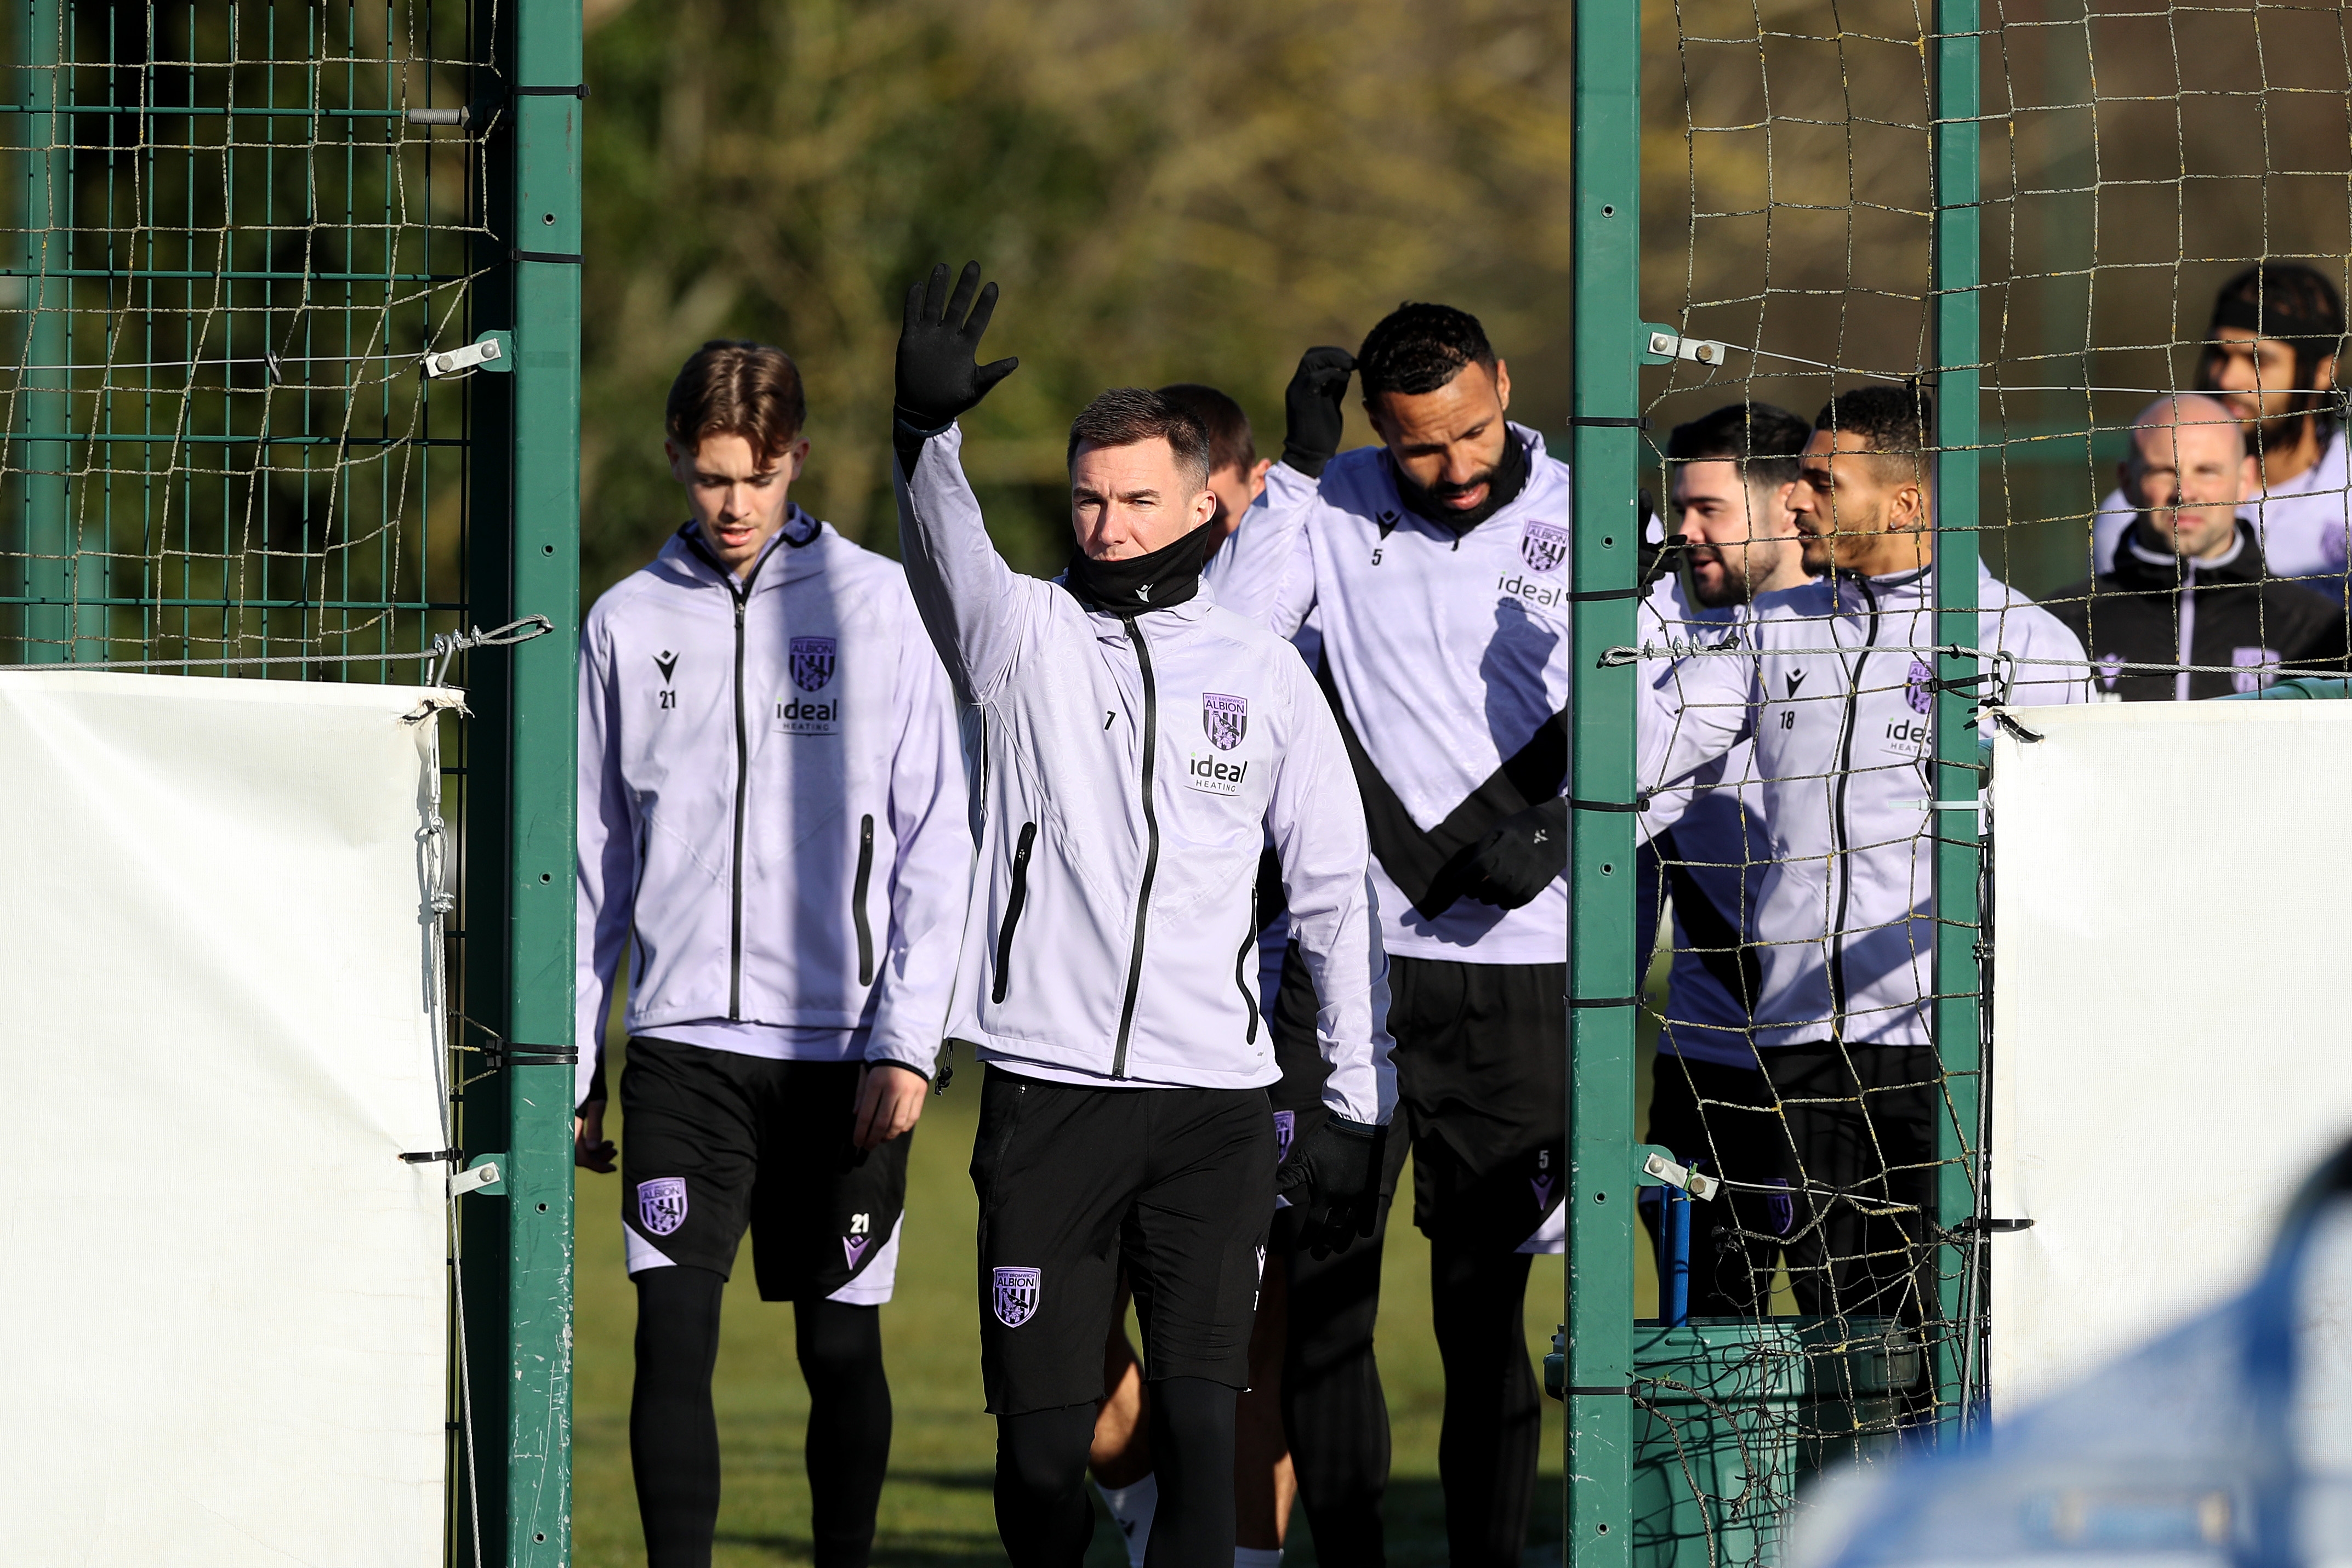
(1519,856)
(1334,1176)
(938,379)
(1312,405)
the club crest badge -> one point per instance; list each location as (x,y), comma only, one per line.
(1543,546)
(813,663)
(661,1205)
(1226,719)
(1918,687)
(1017,1296)
(1542,1181)
(1285,1127)
(2111,670)
(853,1248)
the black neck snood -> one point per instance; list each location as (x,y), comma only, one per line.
(1504,483)
(1160,580)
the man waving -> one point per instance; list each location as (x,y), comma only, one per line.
(1137,743)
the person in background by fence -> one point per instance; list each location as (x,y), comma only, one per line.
(1707,851)
(2271,354)
(2189,586)
(773,823)
(1831,682)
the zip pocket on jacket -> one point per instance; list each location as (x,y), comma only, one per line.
(1020,895)
(857,902)
(1241,970)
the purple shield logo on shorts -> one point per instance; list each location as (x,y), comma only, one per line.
(1226,719)
(812,662)
(1543,546)
(1285,1127)
(1017,1296)
(1917,687)
(661,1205)
(853,1248)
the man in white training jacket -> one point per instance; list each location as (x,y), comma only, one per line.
(1832,682)
(773,830)
(1136,743)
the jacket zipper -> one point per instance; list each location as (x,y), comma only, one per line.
(1152,845)
(740,593)
(2186,623)
(857,901)
(1838,835)
(1241,970)
(742,792)
(1013,903)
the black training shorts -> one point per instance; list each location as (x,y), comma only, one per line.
(1481,1080)
(1074,1182)
(713,1141)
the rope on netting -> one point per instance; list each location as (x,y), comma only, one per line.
(1627,654)
(445,648)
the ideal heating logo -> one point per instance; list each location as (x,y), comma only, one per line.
(1216,775)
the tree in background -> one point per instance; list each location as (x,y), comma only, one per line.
(1166,190)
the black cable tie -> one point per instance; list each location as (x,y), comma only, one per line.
(428,1156)
(1605,805)
(1602,1393)
(1976,1226)
(541,1055)
(1604,1001)
(1592,593)
(1608,421)
(553,257)
(579,90)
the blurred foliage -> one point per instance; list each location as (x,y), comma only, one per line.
(1166,190)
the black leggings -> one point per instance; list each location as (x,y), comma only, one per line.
(1042,1511)
(1333,1410)
(674,1436)
(1493,1431)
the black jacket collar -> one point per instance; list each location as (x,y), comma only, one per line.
(2135,573)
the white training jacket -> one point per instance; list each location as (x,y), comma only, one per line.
(772,807)
(1128,773)
(1835,691)
(1720,853)
(1450,657)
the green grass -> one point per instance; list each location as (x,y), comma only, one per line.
(935,1508)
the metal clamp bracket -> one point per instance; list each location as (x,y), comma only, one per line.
(483,1173)
(1663,345)
(1657,1167)
(493,351)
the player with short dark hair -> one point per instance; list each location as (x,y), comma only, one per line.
(2271,354)
(1137,742)
(1729,476)
(1434,564)
(772,828)
(1831,683)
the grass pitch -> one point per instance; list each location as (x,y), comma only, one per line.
(935,1510)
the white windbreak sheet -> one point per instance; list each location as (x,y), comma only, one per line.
(223,1318)
(2172,1047)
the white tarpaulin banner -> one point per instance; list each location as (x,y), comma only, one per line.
(222,1294)
(2172,1050)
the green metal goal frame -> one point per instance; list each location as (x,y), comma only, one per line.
(64,531)
(1604,971)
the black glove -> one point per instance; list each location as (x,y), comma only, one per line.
(1520,857)
(938,379)
(1334,1178)
(1312,405)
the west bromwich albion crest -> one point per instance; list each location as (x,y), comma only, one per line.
(1017,1296)
(1285,1127)
(1920,687)
(661,1205)
(1543,546)
(812,662)
(1226,719)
